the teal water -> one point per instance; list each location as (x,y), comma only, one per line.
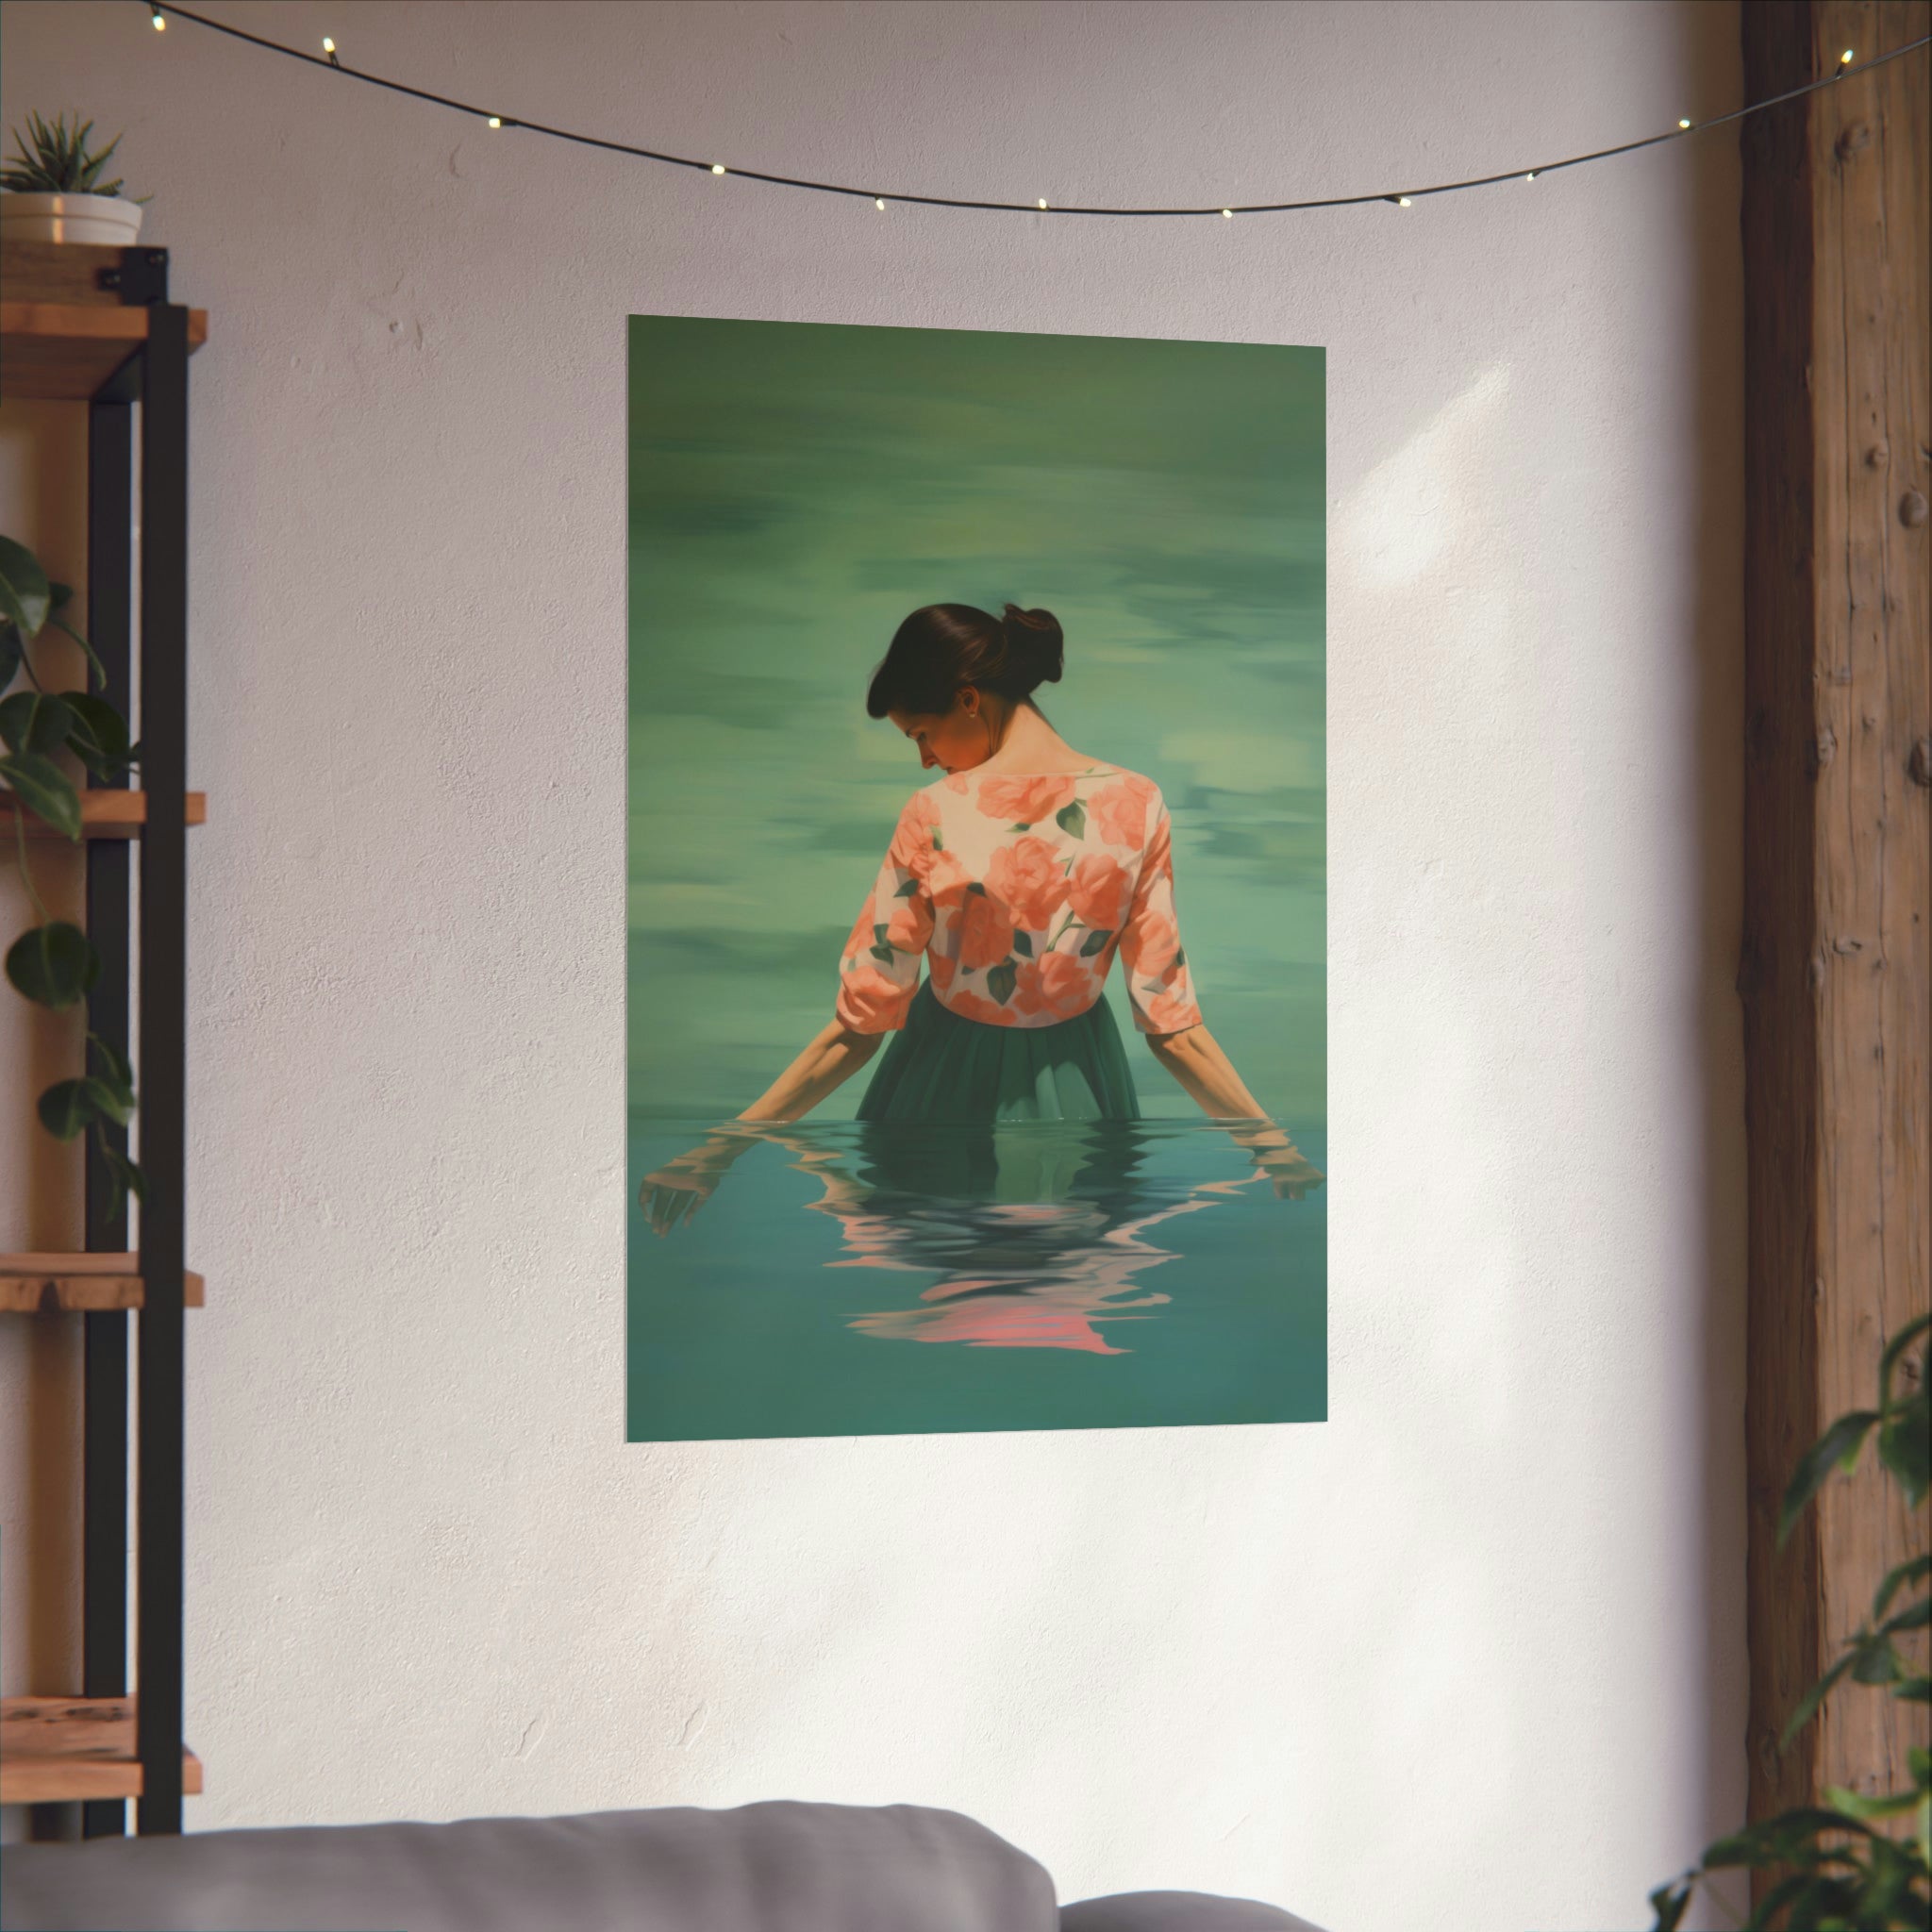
(834,1278)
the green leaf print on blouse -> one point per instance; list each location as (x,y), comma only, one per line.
(1001,980)
(1072,820)
(1094,942)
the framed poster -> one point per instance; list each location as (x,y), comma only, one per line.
(976,834)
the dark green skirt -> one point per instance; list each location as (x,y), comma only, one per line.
(940,1067)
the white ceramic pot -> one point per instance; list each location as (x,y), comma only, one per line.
(105,220)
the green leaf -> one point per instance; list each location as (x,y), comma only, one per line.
(41,786)
(1072,819)
(98,735)
(1875,1661)
(25,597)
(1022,944)
(9,652)
(1813,1698)
(1904,1445)
(1913,1617)
(66,1109)
(1839,1448)
(882,953)
(1095,942)
(879,932)
(1002,979)
(109,1100)
(1893,1349)
(938,844)
(1669,1903)
(906,891)
(127,1178)
(1887,1804)
(30,722)
(1913,1690)
(973,887)
(54,965)
(59,596)
(119,1069)
(1908,1572)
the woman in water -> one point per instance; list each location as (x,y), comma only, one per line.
(1016,877)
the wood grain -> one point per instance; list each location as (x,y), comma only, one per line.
(80,1283)
(60,1749)
(1836,969)
(104,814)
(54,352)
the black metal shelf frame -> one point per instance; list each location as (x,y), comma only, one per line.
(156,377)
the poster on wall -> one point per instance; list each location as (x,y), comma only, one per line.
(977,971)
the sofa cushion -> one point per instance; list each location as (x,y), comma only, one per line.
(1176,1912)
(778,1867)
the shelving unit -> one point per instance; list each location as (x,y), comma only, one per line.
(95,324)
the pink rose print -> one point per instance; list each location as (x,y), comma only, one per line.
(1120,812)
(1149,945)
(985,934)
(1171,1012)
(910,926)
(869,1001)
(1058,984)
(1098,890)
(912,839)
(1023,801)
(1026,878)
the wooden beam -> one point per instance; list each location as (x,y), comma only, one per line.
(1836,970)
(83,1282)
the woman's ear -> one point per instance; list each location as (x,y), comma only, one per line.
(968,700)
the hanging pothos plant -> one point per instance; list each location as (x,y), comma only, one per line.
(53,963)
(1843,1871)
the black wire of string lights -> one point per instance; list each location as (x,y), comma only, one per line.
(882,199)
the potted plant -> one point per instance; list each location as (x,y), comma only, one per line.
(53,193)
(53,963)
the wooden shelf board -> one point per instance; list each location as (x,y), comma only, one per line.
(104,814)
(54,1749)
(64,351)
(80,1283)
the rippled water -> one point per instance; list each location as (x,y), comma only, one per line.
(1056,1274)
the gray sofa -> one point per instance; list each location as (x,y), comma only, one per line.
(778,1867)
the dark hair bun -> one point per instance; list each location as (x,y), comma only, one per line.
(1037,643)
(941,648)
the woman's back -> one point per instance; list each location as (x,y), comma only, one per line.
(1019,888)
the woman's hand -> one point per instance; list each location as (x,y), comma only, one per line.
(1279,1162)
(675,1191)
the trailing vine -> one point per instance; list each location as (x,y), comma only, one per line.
(53,963)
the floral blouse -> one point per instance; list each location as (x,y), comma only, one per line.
(1019,890)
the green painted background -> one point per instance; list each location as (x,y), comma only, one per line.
(795,489)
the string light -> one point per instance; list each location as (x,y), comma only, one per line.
(161,20)
(1842,71)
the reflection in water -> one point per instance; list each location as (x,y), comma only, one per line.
(1037,1230)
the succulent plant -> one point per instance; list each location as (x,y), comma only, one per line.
(59,162)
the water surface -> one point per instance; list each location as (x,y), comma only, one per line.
(840,1278)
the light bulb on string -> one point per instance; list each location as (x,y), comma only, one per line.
(879,201)
(328,47)
(1682,123)
(1531,176)
(1844,59)
(161,20)
(1043,206)
(717,167)
(1227,214)
(1403,201)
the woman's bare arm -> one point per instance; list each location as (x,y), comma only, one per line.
(836,1053)
(1195,1060)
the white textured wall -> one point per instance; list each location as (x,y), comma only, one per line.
(1468,1656)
